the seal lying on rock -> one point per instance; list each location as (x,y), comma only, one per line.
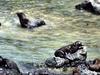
(73,51)
(71,48)
(26,23)
(70,55)
(92,6)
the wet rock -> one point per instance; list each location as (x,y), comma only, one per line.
(83,70)
(51,62)
(9,67)
(39,72)
(90,6)
(45,72)
(76,72)
(56,62)
(4,71)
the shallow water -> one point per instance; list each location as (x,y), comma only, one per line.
(64,25)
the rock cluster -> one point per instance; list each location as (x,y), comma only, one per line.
(64,57)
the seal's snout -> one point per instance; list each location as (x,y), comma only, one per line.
(79,7)
(42,22)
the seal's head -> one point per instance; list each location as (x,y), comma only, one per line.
(78,43)
(60,54)
(20,15)
(40,22)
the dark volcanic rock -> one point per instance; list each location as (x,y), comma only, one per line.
(88,6)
